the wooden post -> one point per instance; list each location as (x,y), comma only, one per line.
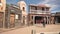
(33,32)
(33,20)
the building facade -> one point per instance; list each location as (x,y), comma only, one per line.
(52,19)
(22,6)
(2,13)
(38,13)
(55,18)
(13,16)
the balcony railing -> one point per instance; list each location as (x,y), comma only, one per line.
(39,12)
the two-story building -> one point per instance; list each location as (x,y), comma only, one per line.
(13,16)
(38,13)
(2,13)
(23,6)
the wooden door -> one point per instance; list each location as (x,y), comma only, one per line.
(12,20)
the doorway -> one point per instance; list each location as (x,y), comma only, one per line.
(12,20)
(38,19)
(58,19)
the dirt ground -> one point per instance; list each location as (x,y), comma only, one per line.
(35,28)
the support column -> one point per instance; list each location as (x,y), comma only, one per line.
(33,20)
(56,21)
(47,20)
(4,20)
(8,19)
(25,20)
(45,10)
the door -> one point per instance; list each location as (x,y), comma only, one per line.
(12,20)
(58,19)
(38,19)
(1,20)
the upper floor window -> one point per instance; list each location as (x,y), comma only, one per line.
(38,8)
(34,7)
(47,9)
(43,9)
(23,8)
(18,16)
(32,17)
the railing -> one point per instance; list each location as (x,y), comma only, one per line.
(39,12)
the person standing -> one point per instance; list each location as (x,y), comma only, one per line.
(43,21)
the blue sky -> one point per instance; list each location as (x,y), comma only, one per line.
(55,4)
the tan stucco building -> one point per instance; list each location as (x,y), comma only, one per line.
(2,12)
(22,5)
(2,5)
(13,16)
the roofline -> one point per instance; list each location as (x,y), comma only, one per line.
(37,5)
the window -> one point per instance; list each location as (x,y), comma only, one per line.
(18,16)
(42,8)
(35,8)
(47,9)
(23,8)
(32,7)
(12,10)
(32,17)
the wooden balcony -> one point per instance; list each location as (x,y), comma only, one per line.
(39,12)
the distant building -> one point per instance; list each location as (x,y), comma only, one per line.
(52,19)
(22,6)
(55,18)
(37,13)
(2,13)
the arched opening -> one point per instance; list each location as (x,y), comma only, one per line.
(23,8)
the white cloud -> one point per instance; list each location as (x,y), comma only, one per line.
(52,3)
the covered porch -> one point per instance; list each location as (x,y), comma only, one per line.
(39,19)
